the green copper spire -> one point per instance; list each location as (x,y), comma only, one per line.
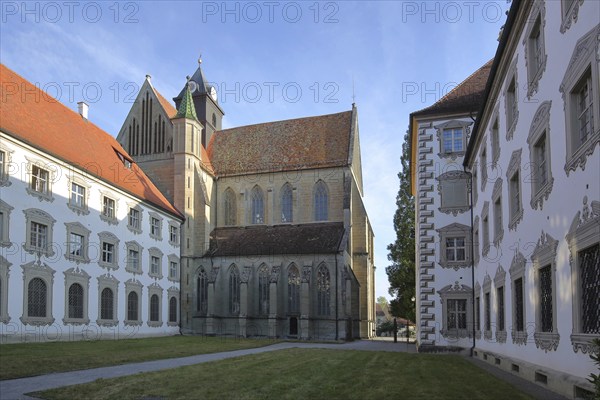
(186,108)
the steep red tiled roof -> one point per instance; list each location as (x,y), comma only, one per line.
(32,116)
(168,107)
(466,97)
(317,238)
(313,142)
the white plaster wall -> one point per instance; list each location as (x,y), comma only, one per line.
(16,196)
(565,200)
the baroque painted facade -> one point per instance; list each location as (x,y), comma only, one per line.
(89,246)
(505,172)
(276,241)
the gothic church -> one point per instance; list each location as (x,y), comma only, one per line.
(276,240)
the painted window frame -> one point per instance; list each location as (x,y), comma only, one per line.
(569,13)
(78,229)
(514,178)
(446,181)
(497,208)
(132,286)
(50,169)
(464,126)
(517,271)
(155,252)
(451,293)
(35,215)
(130,264)
(511,101)
(535,23)
(155,290)
(500,286)
(33,270)
(540,130)
(108,282)
(583,234)
(582,61)
(173,259)
(156,225)
(131,225)
(82,278)
(104,214)
(544,255)
(5,210)
(174,233)
(75,180)
(110,238)
(455,230)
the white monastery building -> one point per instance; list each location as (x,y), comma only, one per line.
(506,177)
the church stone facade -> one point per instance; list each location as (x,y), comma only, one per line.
(276,240)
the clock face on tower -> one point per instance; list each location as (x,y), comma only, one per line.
(213,93)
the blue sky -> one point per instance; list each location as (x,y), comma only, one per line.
(270,60)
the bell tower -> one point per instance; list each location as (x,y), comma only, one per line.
(206,103)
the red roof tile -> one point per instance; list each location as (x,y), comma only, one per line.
(313,142)
(33,116)
(466,97)
(166,105)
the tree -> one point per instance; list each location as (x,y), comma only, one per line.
(401,274)
(382,301)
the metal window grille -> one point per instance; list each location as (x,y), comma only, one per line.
(36,298)
(457,313)
(173,309)
(202,292)
(500,304)
(132,306)
(519,305)
(589,269)
(487,322)
(75,301)
(546,298)
(263,289)
(154,303)
(106,304)
(293,290)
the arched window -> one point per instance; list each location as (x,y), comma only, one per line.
(75,301)
(173,309)
(323,290)
(258,206)
(106,304)
(287,213)
(36,298)
(321,201)
(230,208)
(293,290)
(132,306)
(154,307)
(263,289)
(202,291)
(234,290)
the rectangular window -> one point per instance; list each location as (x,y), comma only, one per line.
(154,226)
(495,141)
(535,48)
(133,258)
(500,305)
(519,319)
(2,166)
(77,195)
(154,265)
(540,160)
(585,116)
(515,196)
(486,232)
(511,103)
(174,234)
(486,306)
(484,175)
(108,207)
(75,245)
(39,179)
(457,313)
(589,260)
(108,251)
(173,266)
(455,249)
(453,140)
(134,218)
(39,236)
(546,298)
(497,217)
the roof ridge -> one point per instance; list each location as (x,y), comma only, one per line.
(283,120)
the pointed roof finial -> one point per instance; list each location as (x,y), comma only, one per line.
(200,59)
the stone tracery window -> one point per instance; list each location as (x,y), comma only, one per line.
(323,290)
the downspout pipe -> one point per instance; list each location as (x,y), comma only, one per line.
(470,175)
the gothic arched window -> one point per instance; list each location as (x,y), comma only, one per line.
(75,301)
(258,206)
(321,202)
(234,290)
(36,302)
(323,290)
(230,208)
(202,291)
(293,290)
(263,289)
(287,213)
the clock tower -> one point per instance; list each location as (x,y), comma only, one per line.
(205,97)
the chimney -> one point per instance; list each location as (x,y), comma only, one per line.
(83,108)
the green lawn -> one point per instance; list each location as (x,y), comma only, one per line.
(307,374)
(29,359)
